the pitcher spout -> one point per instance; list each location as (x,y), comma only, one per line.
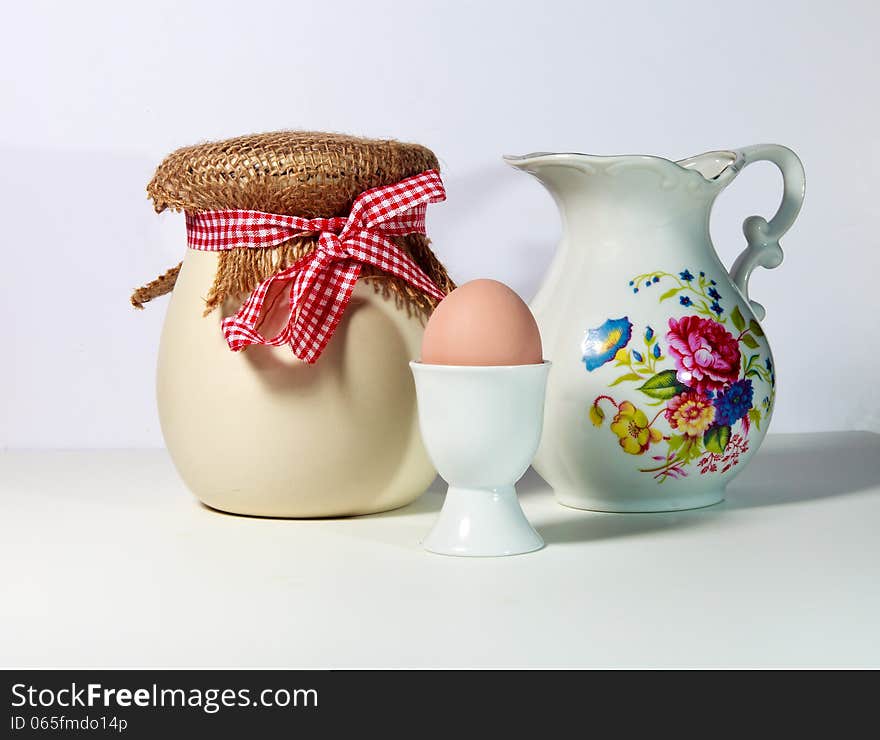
(558,172)
(537,163)
(522,161)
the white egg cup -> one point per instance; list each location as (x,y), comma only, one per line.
(481,427)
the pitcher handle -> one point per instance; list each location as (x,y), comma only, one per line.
(763,236)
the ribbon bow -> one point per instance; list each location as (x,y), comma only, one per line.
(320,284)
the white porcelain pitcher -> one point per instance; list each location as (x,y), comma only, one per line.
(662,384)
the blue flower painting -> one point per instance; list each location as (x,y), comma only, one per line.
(602,343)
(734,403)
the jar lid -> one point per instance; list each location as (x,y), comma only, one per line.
(294,173)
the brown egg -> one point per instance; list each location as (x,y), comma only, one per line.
(483,322)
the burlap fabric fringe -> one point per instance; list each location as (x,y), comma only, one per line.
(294,173)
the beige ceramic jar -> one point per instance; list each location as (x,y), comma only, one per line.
(260,432)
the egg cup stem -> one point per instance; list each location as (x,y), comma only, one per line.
(482,522)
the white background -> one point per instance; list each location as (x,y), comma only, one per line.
(93,96)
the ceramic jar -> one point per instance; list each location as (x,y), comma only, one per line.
(261,433)
(258,431)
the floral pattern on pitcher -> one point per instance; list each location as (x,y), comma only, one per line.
(700,373)
(698,293)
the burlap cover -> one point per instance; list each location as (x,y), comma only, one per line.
(296,173)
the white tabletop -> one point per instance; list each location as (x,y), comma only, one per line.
(107,561)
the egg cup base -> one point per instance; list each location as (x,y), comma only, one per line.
(482,522)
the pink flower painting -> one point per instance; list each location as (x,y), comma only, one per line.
(706,355)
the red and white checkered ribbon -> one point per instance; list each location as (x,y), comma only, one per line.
(320,284)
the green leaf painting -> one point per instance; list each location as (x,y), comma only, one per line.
(663,385)
(738,321)
(755,417)
(716,438)
(625,378)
